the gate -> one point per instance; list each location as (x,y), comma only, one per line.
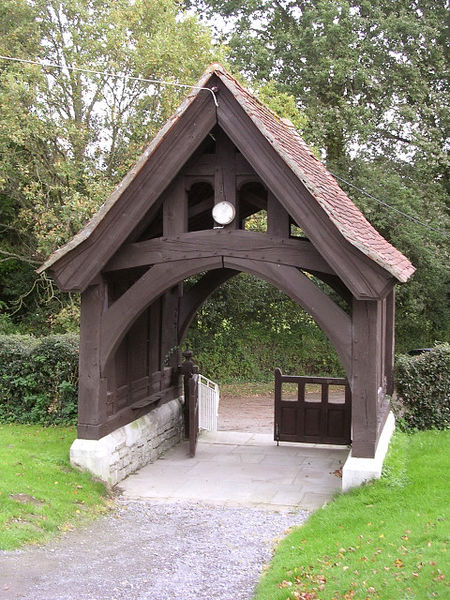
(208,403)
(321,421)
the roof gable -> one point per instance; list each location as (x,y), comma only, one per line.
(184,131)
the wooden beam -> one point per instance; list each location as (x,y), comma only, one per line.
(335,284)
(390,341)
(119,317)
(225,178)
(192,300)
(205,166)
(277,217)
(202,207)
(220,242)
(365,377)
(169,328)
(175,209)
(334,322)
(92,389)
(136,194)
(365,278)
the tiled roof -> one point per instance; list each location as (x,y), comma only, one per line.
(347,218)
(320,183)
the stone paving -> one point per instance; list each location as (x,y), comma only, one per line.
(239,468)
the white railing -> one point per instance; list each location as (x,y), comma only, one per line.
(208,403)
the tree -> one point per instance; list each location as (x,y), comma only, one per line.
(372,81)
(68,136)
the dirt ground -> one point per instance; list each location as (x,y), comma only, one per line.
(256,413)
(248,413)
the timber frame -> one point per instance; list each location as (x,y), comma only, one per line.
(156,229)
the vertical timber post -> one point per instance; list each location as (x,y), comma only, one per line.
(390,342)
(187,369)
(277,217)
(366,360)
(92,386)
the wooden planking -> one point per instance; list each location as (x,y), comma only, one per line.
(362,276)
(220,242)
(335,323)
(127,414)
(196,296)
(366,357)
(78,267)
(205,166)
(169,327)
(120,315)
(304,420)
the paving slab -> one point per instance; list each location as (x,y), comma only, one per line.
(240,468)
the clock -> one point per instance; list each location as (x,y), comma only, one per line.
(223,212)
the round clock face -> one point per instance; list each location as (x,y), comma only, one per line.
(223,213)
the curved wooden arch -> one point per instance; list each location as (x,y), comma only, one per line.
(119,317)
(334,322)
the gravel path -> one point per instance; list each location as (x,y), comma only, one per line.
(149,551)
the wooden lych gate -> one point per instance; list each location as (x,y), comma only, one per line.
(181,211)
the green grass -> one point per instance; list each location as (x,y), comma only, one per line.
(40,494)
(386,540)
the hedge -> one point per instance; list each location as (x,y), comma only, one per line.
(423,387)
(39,379)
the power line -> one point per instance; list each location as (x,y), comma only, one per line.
(413,219)
(108,74)
(186,85)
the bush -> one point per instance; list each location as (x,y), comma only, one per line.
(38,379)
(423,387)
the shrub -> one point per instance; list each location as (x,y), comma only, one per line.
(423,387)
(38,379)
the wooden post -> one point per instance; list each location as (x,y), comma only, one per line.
(277,217)
(169,328)
(187,369)
(225,175)
(92,389)
(365,371)
(175,209)
(390,342)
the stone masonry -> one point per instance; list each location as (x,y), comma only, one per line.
(115,456)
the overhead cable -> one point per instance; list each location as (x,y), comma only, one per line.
(108,74)
(385,204)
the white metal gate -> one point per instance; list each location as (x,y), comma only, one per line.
(208,403)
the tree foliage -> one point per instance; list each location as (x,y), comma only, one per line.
(66,136)
(371,79)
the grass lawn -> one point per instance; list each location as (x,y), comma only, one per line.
(40,494)
(386,540)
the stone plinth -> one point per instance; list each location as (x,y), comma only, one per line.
(132,446)
(358,470)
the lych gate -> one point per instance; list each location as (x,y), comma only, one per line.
(181,211)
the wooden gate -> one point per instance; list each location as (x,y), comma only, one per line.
(326,420)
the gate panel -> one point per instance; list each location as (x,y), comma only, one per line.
(315,421)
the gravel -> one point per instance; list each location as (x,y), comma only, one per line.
(152,551)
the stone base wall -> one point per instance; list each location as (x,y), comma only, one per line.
(359,470)
(115,456)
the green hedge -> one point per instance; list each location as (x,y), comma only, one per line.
(423,387)
(38,379)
